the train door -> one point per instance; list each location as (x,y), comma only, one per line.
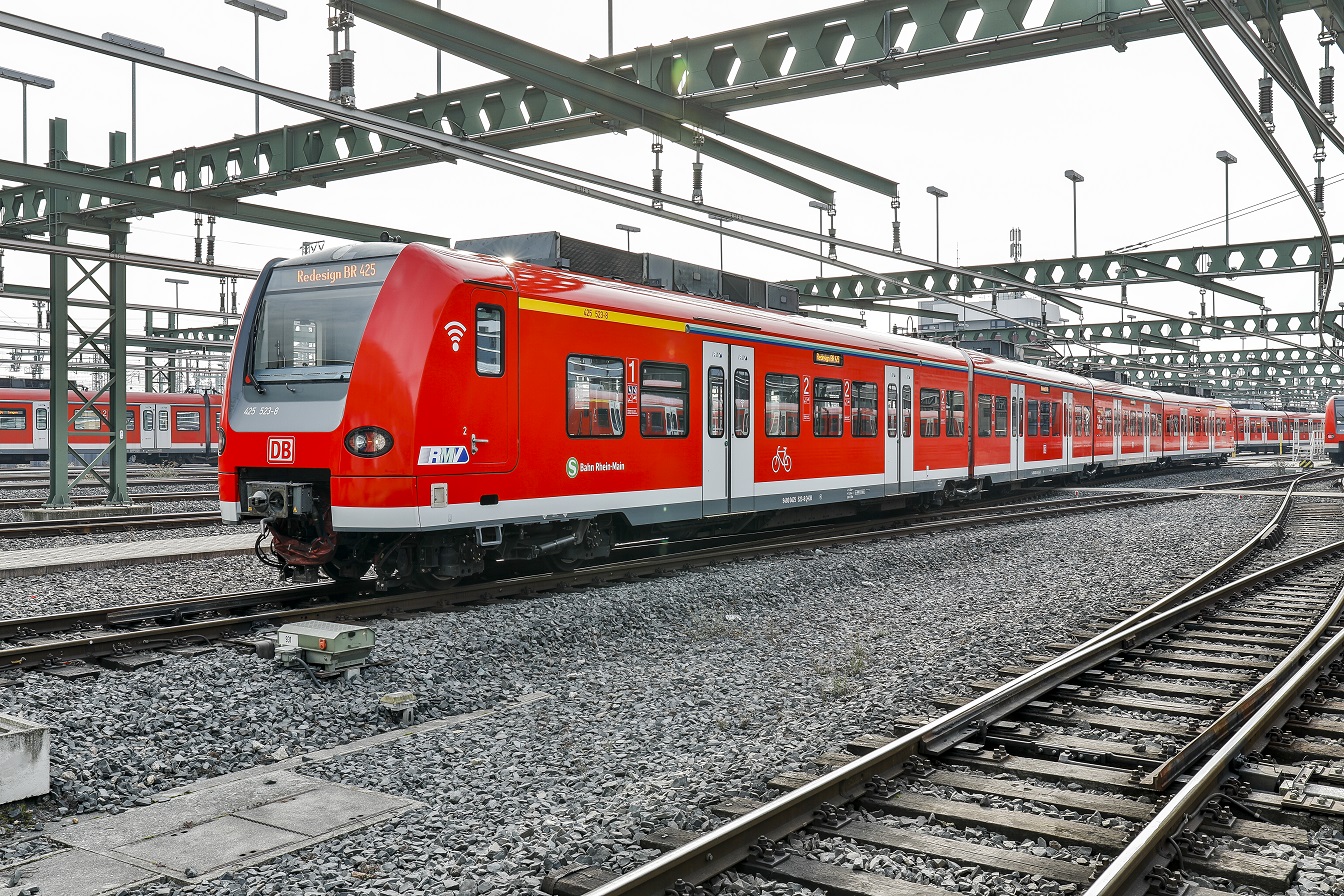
(154,434)
(715,436)
(742,445)
(1066,427)
(486,420)
(1185,429)
(41,424)
(899,444)
(1016,432)
(1117,410)
(1147,430)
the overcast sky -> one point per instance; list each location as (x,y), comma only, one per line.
(1142,126)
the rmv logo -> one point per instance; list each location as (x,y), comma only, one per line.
(280,450)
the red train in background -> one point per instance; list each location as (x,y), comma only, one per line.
(160,426)
(424,411)
(1334,429)
(1275,432)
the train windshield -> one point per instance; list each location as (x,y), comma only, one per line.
(312,319)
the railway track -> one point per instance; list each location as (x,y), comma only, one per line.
(1171,744)
(25,503)
(11,486)
(130,629)
(33,529)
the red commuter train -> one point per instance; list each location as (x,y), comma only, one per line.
(1275,432)
(423,411)
(160,426)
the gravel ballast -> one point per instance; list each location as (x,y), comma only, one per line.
(665,696)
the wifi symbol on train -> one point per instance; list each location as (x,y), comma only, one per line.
(455,332)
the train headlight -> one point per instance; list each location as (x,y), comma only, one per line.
(221,441)
(368,441)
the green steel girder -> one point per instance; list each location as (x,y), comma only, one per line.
(1149,332)
(80,194)
(635,104)
(1237,259)
(736,69)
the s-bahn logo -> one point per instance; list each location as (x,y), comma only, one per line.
(280,450)
(572,467)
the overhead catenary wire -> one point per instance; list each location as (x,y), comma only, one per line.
(564,177)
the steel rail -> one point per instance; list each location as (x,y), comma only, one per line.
(726,846)
(25,503)
(85,646)
(15,486)
(36,528)
(1125,876)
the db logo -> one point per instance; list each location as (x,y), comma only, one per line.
(280,450)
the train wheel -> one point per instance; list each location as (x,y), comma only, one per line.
(557,563)
(432,581)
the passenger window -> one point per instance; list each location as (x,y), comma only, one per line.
(41,416)
(863,411)
(489,340)
(163,419)
(930,411)
(1000,415)
(188,421)
(717,402)
(88,420)
(781,405)
(741,404)
(594,397)
(1033,417)
(984,416)
(956,414)
(828,408)
(664,395)
(894,410)
(130,421)
(1055,419)
(13,418)
(907,410)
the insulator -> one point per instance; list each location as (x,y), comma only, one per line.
(210,243)
(334,76)
(657,180)
(233,294)
(222,294)
(1267,102)
(1319,193)
(1326,92)
(698,182)
(348,72)
(895,236)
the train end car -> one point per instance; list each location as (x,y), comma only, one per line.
(1333,425)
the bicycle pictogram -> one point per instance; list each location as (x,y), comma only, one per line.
(781,460)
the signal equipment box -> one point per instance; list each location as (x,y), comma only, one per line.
(329,647)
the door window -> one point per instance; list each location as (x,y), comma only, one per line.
(741,404)
(147,419)
(163,419)
(41,417)
(894,410)
(489,340)
(717,402)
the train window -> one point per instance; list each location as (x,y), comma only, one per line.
(984,416)
(1045,421)
(863,411)
(664,397)
(718,404)
(828,408)
(1055,419)
(1000,415)
(894,411)
(930,410)
(87,419)
(956,414)
(781,405)
(907,409)
(147,419)
(163,419)
(130,421)
(40,415)
(1033,417)
(13,418)
(741,404)
(594,397)
(188,421)
(489,340)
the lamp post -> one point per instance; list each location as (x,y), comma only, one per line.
(25,79)
(1077,179)
(132,43)
(938,196)
(822,208)
(275,14)
(629,229)
(1228,161)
